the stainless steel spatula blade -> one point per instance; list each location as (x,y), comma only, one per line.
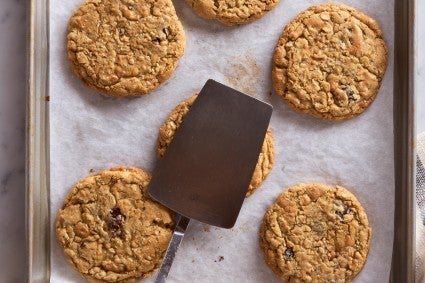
(208,166)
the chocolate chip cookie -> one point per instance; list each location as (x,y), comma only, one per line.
(110,230)
(125,48)
(315,233)
(329,62)
(265,160)
(230,12)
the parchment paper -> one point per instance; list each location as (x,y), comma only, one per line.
(89,131)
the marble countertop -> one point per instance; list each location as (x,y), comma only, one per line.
(12,139)
(12,131)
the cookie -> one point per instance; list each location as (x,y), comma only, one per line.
(265,160)
(110,230)
(329,62)
(125,48)
(230,12)
(315,233)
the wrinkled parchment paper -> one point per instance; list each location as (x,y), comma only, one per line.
(89,131)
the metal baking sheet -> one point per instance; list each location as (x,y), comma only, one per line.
(39,192)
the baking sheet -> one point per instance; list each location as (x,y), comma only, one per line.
(89,131)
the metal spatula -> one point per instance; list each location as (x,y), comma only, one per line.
(208,166)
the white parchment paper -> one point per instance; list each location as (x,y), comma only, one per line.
(89,131)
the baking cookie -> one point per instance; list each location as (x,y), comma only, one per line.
(230,12)
(315,233)
(329,62)
(109,228)
(125,47)
(265,160)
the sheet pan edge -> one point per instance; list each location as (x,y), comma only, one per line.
(37,145)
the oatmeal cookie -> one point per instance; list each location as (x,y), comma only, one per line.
(125,47)
(315,233)
(230,12)
(109,228)
(329,62)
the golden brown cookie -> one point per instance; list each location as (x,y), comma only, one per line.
(329,62)
(110,230)
(265,160)
(230,12)
(125,48)
(315,233)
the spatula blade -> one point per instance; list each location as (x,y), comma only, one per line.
(208,166)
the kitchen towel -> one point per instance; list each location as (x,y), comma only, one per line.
(420,209)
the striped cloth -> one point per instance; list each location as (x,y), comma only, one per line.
(420,199)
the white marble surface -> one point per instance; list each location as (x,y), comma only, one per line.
(12,130)
(12,139)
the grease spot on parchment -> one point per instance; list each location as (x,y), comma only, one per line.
(244,74)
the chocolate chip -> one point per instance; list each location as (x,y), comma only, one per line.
(115,228)
(159,222)
(166,31)
(156,40)
(121,31)
(350,93)
(289,254)
(343,212)
(115,212)
(115,221)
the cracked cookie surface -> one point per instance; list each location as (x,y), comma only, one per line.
(329,62)
(265,160)
(315,233)
(110,230)
(231,12)
(125,47)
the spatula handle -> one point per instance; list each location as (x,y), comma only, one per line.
(176,239)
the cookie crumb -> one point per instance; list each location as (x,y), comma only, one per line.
(206,228)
